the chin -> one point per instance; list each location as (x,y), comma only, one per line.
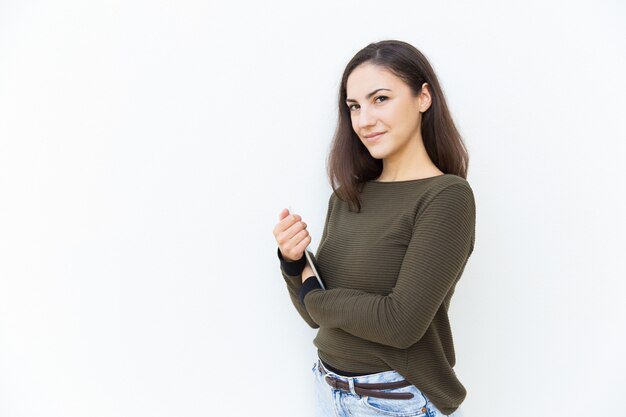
(377,153)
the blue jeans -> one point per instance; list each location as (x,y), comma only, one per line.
(331,402)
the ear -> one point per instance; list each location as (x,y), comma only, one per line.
(424,97)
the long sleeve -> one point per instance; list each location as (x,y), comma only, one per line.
(292,274)
(442,241)
(293,280)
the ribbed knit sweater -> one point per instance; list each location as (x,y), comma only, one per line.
(390,272)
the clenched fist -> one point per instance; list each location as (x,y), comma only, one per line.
(291,235)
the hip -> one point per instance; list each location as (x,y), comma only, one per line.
(384,393)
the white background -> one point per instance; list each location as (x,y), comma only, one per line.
(147,147)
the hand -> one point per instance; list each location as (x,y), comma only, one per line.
(291,235)
(307,272)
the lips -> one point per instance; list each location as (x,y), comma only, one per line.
(374,136)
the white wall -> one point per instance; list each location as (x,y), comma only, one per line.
(146,149)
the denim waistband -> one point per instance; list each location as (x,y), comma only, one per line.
(385,376)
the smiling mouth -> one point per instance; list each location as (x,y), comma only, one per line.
(375,137)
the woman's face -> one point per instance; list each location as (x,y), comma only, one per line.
(380,102)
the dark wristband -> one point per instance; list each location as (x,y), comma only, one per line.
(292,267)
(309,284)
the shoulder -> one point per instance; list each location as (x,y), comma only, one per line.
(331,198)
(449,180)
(449,192)
(335,194)
(448,183)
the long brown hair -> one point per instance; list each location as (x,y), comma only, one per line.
(350,164)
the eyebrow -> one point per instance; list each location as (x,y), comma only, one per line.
(367,96)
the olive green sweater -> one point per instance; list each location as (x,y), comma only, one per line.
(390,272)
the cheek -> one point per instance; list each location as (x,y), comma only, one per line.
(393,113)
(401,117)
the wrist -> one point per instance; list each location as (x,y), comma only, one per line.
(294,267)
(308,285)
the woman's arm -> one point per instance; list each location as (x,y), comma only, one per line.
(292,273)
(442,241)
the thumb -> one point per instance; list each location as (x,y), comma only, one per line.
(283,213)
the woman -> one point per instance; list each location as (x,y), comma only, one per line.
(398,233)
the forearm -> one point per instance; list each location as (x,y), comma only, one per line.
(292,275)
(294,284)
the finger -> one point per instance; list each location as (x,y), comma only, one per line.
(283,213)
(302,240)
(288,222)
(294,247)
(292,232)
(285,221)
(303,244)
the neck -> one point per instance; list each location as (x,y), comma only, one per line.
(411,162)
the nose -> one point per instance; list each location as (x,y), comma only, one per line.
(366,118)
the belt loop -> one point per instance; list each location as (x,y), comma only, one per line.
(351,385)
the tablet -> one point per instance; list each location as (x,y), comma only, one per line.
(310,257)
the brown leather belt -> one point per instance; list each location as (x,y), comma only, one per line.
(369,389)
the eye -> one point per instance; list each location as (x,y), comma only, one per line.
(350,106)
